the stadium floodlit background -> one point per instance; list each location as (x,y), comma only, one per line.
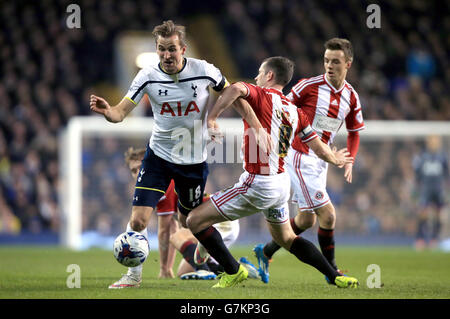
(48,70)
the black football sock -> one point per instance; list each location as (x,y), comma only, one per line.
(326,242)
(435,229)
(188,250)
(421,229)
(306,252)
(215,267)
(213,242)
(272,247)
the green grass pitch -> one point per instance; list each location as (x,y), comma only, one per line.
(41,272)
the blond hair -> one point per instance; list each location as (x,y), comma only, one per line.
(134,155)
(168,29)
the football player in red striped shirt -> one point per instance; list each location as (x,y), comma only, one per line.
(329,101)
(264,186)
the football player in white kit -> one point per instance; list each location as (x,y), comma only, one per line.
(178,89)
(264,187)
(328,100)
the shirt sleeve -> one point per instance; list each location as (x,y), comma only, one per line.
(218,81)
(296,94)
(254,96)
(136,90)
(354,120)
(304,129)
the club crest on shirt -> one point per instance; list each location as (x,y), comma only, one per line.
(194,87)
(319,195)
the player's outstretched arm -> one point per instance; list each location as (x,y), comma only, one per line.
(229,95)
(112,114)
(338,158)
(263,139)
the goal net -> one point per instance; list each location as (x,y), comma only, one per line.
(97,187)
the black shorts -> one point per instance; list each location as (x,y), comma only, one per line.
(154,178)
(430,197)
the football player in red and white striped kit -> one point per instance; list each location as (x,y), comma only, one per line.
(264,186)
(329,101)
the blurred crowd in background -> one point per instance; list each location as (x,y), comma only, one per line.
(47,72)
(382,199)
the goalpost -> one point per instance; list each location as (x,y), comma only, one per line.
(93,172)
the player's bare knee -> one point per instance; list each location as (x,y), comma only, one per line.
(182,219)
(305,222)
(191,222)
(285,241)
(327,221)
(196,223)
(327,218)
(172,238)
(137,224)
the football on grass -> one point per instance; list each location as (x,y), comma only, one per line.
(131,249)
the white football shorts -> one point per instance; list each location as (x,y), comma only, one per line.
(229,230)
(308,175)
(267,194)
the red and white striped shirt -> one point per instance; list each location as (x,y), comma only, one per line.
(327,108)
(282,120)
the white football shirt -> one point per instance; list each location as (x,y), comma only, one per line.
(179,105)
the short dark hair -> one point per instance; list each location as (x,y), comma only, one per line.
(168,29)
(282,67)
(340,44)
(134,155)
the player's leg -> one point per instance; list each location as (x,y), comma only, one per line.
(200,221)
(438,204)
(190,181)
(303,249)
(307,252)
(435,226)
(308,180)
(151,184)
(229,230)
(184,268)
(185,243)
(140,217)
(174,227)
(182,239)
(325,234)
(299,223)
(166,226)
(421,231)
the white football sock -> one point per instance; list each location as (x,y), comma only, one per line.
(136,272)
